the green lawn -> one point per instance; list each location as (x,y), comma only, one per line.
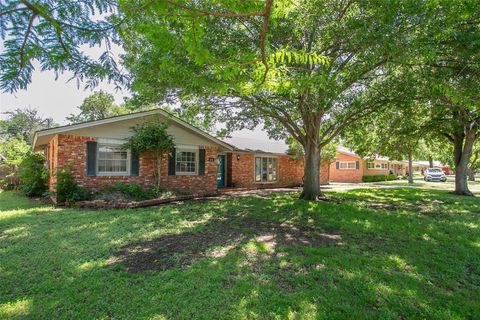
(372,253)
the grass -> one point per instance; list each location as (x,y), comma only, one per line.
(373,253)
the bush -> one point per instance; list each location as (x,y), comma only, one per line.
(380,177)
(134,191)
(67,189)
(33,175)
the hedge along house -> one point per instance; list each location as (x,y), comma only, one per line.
(200,163)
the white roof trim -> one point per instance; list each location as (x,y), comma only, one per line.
(128,117)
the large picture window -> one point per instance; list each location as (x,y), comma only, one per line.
(186,162)
(112,160)
(266,169)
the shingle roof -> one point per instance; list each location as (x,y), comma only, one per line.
(257,145)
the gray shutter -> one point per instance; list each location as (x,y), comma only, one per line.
(171,162)
(357,165)
(338,165)
(201,162)
(91,158)
(134,164)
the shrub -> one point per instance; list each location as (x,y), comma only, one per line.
(33,175)
(15,150)
(67,189)
(152,137)
(380,177)
(134,191)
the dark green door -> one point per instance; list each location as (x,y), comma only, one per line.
(221,171)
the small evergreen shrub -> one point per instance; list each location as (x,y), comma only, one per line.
(33,175)
(67,189)
(380,177)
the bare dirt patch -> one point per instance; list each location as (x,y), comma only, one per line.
(182,249)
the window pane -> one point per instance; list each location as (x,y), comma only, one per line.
(186,162)
(274,170)
(258,169)
(264,169)
(112,159)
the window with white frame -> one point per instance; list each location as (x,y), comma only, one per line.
(112,160)
(186,161)
(343,165)
(266,169)
(377,165)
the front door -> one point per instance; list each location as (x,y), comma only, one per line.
(221,171)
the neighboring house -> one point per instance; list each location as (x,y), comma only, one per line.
(201,163)
(350,167)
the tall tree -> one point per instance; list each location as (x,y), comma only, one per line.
(396,133)
(448,55)
(22,123)
(321,69)
(99,105)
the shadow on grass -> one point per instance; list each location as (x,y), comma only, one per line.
(226,233)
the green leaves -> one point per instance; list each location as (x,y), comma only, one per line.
(99,105)
(150,136)
(52,33)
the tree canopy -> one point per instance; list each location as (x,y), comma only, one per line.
(99,105)
(324,60)
(54,34)
(22,123)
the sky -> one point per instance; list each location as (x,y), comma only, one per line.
(58,98)
(53,98)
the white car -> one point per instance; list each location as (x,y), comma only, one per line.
(434,174)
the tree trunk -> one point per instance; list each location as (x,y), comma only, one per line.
(430,162)
(410,167)
(462,148)
(311,180)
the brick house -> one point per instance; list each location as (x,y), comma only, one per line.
(200,163)
(350,167)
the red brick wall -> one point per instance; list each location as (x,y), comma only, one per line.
(196,184)
(72,150)
(346,175)
(240,173)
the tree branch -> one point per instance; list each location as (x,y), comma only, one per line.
(25,39)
